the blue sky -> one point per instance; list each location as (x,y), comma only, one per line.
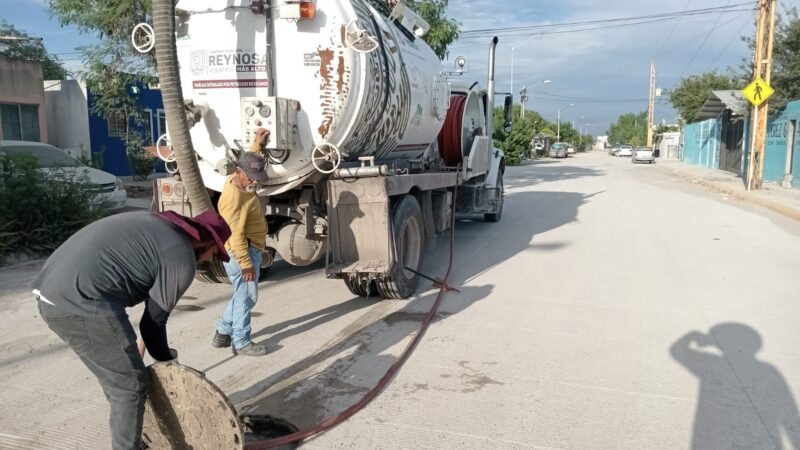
(590,65)
(606,64)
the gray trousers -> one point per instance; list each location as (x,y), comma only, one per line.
(107,346)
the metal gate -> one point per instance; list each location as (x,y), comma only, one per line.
(731,143)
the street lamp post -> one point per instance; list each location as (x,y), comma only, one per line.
(512,58)
(524,95)
(558,133)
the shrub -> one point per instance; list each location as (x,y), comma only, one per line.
(142,163)
(41,209)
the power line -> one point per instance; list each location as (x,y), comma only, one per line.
(664,44)
(576,30)
(728,45)
(669,16)
(702,44)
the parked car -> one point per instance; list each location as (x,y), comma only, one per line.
(613,150)
(558,150)
(570,149)
(110,189)
(643,154)
(625,150)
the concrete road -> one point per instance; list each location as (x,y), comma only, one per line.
(613,307)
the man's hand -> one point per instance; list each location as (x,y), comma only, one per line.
(262,137)
(249,274)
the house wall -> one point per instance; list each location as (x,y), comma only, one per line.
(701,143)
(21,83)
(67,116)
(114,156)
(779,142)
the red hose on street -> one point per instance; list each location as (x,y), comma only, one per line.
(331,422)
(450,136)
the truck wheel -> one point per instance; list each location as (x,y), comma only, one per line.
(409,238)
(214,272)
(361,287)
(495,216)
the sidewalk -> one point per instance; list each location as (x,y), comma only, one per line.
(140,192)
(773,197)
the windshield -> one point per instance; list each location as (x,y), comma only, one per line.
(644,149)
(47,157)
(557,146)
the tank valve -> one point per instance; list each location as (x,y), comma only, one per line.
(143,37)
(326,157)
(360,40)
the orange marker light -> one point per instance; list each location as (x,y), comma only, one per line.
(307,10)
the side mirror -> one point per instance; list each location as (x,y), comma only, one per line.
(508,108)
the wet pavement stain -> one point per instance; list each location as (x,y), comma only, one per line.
(256,314)
(188,297)
(474,380)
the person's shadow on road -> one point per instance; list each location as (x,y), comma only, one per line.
(743,402)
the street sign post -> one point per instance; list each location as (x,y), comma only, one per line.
(758,91)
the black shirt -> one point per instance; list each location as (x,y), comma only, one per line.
(118,262)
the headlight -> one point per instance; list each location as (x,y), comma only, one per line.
(120,184)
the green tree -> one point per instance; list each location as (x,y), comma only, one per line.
(629,128)
(690,94)
(785,77)
(444,31)
(112,67)
(29,49)
(786,61)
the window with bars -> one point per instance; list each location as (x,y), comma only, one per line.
(117,124)
(20,122)
(162,123)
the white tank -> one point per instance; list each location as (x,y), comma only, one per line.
(382,96)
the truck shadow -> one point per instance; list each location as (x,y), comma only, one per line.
(335,377)
(546,173)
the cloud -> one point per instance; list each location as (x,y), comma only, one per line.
(608,64)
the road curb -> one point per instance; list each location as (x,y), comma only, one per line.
(773,206)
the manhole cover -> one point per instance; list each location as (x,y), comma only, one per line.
(186,411)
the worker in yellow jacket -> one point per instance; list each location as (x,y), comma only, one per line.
(240,206)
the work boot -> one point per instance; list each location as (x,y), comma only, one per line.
(221,340)
(251,350)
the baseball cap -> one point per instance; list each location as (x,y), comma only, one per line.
(253,165)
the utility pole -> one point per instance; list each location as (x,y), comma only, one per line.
(762,67)
(651,104)
(523,98)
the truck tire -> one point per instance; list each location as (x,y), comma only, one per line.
(495,216)
(214,272)
(409,235)
(361,288)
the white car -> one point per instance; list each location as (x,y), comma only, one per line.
(643,154)
(570,149)
(110,188)
(625,150)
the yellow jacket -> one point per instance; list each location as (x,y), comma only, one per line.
(242,210)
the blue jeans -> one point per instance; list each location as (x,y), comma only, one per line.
(235,322)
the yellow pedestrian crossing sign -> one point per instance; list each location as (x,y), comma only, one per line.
(757,92)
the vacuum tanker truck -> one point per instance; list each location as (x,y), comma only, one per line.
(370,140)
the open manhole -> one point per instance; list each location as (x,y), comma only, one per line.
(184,410)
(263,427)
